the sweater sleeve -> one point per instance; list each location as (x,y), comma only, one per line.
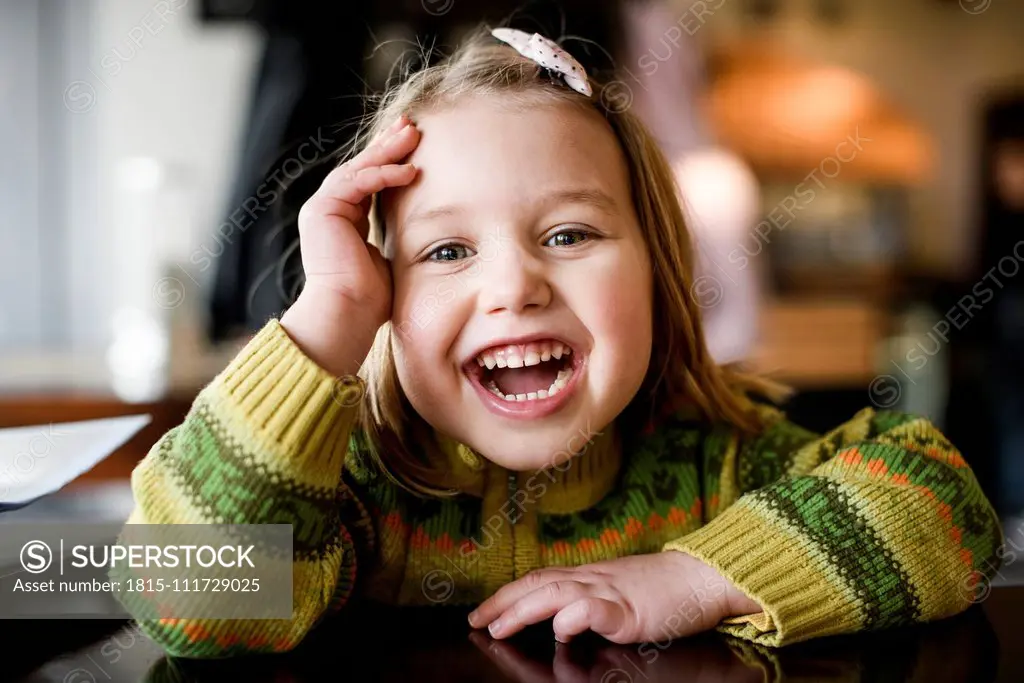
(264,443)
(876,524)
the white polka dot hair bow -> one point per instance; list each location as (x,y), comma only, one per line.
(548,54)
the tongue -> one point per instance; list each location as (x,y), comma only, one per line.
(525,380)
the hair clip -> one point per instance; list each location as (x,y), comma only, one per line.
(548,54)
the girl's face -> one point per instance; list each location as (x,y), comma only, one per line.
(519,269)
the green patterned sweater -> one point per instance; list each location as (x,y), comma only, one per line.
(877,523)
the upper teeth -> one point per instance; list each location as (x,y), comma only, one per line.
(518,356)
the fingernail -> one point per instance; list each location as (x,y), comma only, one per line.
(472,619)
(494,628)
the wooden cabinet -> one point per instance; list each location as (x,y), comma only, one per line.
(815,344)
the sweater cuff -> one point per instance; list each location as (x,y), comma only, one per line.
(298,410)
(772,567)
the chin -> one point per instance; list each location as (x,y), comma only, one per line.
(526,458)
(526,449)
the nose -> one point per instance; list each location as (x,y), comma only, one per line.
(513,281)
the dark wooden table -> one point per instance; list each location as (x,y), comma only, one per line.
(986,643)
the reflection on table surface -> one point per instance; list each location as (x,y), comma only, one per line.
(436,645)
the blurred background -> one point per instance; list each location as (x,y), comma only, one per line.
(853,172)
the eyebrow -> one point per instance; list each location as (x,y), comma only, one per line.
(595,197)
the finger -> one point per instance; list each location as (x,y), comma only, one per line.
(343,198)
(351,189)
(491,608)
(512,663)
(381,137)
(395,126)
(351,184)
(604,617)
(390,149)
(541,604)
(373,154)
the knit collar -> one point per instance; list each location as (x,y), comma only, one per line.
(569,485)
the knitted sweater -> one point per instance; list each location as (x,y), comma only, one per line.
(877,523)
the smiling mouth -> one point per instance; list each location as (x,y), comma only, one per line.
(528,372)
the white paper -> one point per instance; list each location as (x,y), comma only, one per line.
(39,460)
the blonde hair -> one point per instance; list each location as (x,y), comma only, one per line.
(681,370)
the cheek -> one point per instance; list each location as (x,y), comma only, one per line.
(624,317)
(416,308)
(422,298)
(620,302)
(424,320)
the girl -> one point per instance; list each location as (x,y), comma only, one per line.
(493,390)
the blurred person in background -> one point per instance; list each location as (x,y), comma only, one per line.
(307,86)
(1002,257)
(985,410)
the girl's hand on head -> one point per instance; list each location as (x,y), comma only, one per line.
(643,598)
(334,225)
(347,293)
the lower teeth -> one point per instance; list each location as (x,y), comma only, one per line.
(561,380)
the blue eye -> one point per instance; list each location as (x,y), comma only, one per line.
(568,238)
(448,252)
